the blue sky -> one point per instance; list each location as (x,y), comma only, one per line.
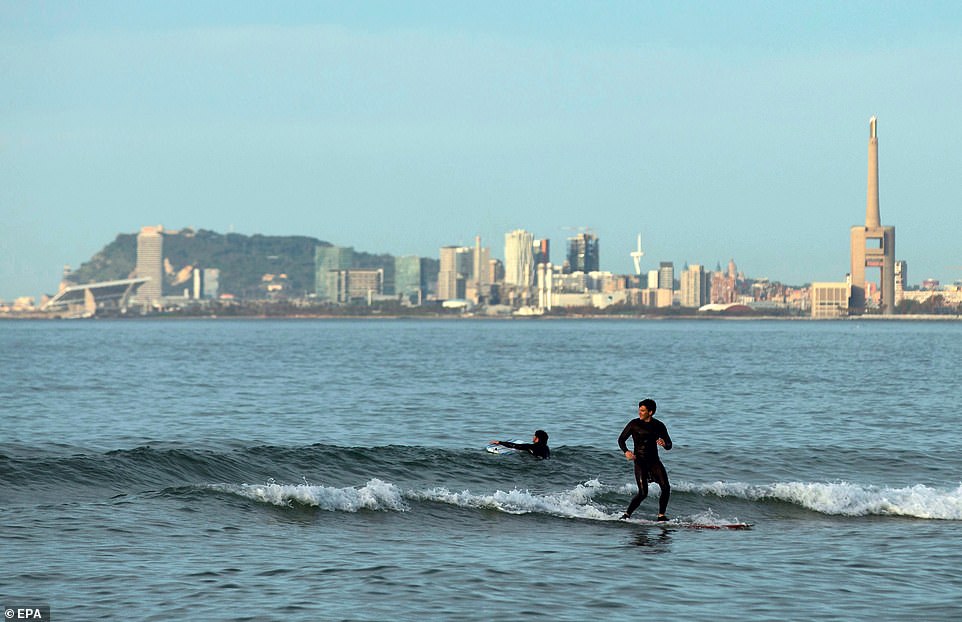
(717,130)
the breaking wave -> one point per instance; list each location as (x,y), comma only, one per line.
(582,501)
(844,498)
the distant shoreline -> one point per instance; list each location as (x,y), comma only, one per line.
(41,316)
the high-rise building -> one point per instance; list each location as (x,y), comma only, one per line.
(873,246)
(479,281)
(211,283)
(584,253)
(150,265)
(694,286)
(666,275)
(455,270)
(652,281)
(328,262)
(519,258)
(409,281)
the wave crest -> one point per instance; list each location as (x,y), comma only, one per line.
(844,498)
(574,503)
(375,495)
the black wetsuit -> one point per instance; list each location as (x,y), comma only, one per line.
(648,468)
(538,450)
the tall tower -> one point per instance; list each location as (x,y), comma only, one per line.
(694,286)
(150,264)
(873,246)
(519,258)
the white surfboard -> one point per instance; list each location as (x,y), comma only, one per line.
(500,449)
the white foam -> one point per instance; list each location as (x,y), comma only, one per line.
(375,495)
(574,503)
(844,498)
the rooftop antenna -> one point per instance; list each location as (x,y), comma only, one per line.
(636,255)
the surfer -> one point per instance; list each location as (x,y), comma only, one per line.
(648,434)
(538,447)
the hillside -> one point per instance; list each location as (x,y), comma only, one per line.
(242,260)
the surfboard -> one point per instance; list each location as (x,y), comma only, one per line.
(677,523)
(500,449)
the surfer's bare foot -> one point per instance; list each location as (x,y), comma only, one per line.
(661,518)
(625,516)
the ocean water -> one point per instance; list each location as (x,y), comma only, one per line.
(335,470)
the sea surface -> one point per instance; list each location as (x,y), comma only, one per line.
(335,470)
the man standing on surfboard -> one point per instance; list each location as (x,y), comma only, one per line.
(648,434)
(538,446)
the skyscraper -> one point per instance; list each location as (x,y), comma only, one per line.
(666,275)
(455,269)
(583,253)
(480,282)
(150,264)
(518,258)
(328,261)
(694,286)
(409,278)
(873,246)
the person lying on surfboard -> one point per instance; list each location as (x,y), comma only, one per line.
(648,435)
(538,447)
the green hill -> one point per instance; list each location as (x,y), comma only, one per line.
(242,261)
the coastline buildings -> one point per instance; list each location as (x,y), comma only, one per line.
(471,273)
(724,285)
(466,273)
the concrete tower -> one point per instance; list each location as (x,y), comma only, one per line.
(150,264)
(873,246)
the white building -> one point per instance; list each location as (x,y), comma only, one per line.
(518,258)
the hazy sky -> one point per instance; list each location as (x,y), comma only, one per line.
(717,130)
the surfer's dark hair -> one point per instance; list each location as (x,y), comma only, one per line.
(649,404)
(541,435)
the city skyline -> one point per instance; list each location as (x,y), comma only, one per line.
(714,131)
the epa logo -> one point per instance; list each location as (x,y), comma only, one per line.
(27,613)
